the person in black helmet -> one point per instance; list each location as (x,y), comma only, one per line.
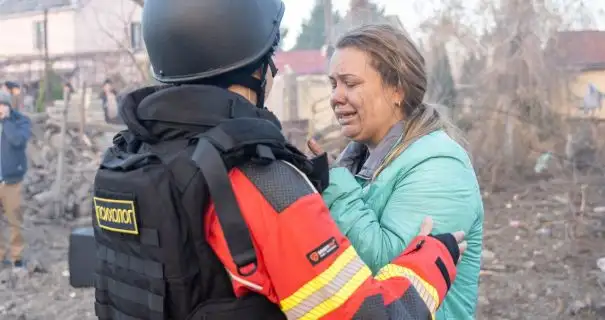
(202,210)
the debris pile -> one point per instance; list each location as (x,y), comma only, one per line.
(82,156)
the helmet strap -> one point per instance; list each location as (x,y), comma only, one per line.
(256,85)
(260,95)
(249,81)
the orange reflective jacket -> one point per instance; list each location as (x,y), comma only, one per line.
(309,268)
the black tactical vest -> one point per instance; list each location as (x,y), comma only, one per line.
(149,200)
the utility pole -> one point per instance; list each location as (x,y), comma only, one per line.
(58,185)
(47,93)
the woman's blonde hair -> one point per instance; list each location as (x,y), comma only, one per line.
(401,66)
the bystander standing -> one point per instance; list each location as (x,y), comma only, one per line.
(15,131)
(109,98)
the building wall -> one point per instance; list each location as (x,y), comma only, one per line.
(308,113)
(572,98)
(104,25)
(97,25)
(18,36)
(313,101)
(310,103)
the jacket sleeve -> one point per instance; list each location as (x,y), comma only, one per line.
(307,267)
(17,129)
(438,187)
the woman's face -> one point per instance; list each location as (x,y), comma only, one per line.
(364,108)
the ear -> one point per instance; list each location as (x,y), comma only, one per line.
(397,95)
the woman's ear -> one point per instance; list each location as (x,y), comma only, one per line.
(397,96)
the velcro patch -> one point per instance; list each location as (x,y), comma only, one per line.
(320,253)
(116,215)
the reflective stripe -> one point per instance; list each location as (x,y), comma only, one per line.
(427,292)
(329,290)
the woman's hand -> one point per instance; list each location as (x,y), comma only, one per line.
(425,230)
(317,150)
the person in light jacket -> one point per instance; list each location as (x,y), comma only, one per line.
(15,129)
(404,162)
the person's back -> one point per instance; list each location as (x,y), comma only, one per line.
(202,209)
(147,229)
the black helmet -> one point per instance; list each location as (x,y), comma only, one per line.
(191,40)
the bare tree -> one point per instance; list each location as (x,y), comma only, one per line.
(119,31)
(506,45)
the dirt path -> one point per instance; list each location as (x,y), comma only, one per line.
(541,252)
(43,291)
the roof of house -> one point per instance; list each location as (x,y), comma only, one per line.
(22,6)
(302,62)
(583,49)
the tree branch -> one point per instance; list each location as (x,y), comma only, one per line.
(125,47)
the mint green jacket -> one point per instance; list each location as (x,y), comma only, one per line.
(433,176)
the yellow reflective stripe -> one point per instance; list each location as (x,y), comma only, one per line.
(427,292)
(340,297)
(319,281)
(329,290)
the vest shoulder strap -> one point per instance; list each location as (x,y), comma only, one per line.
(209,161)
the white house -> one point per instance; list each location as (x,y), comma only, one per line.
(99,36)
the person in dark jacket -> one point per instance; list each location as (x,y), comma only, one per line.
(15,129)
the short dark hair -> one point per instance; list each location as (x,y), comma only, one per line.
(12,85)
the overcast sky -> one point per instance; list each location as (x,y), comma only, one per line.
(299,10)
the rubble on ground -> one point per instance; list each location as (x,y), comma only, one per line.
(543,255)
(82,156)
(42,290)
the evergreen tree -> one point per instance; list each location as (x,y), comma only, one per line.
(313,31)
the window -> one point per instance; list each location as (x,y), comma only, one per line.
(39,35)
(136,38)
